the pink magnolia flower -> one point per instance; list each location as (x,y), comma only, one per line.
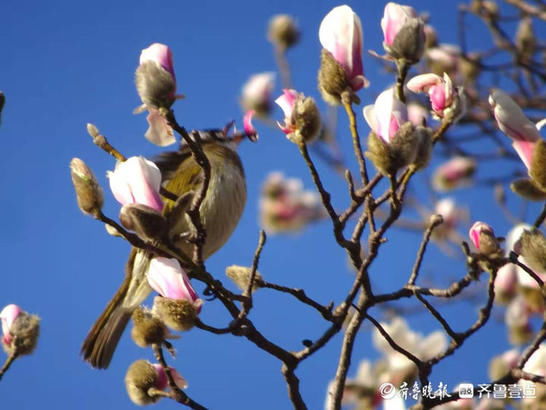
(340,33)
(506,281)
(513,122)
(167,278)
(136,181)
(8,316)
(156,91)
(454,173)
(161,55)
(163,381)
(256,93)
(386,116)
(445,58)
(287,101)
(448,209)
(440,90)
(394,18)
(417,114)
(476,231)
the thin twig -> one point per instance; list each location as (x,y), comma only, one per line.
(9,361)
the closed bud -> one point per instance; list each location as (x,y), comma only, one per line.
(404,33)
(283,31)
(178,314)
(526,42)
(154,77)
(143,378)
(146,222)
(532,246)
(332,80)
(454,173)
(301,116)
(526,188)
(501,365)
(483,238)
(147,328)
(88,191)
(240,275)
(517,320)
(423,136)
(506,283)
(20,330)
(256,93)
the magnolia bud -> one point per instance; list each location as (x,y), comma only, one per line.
(88,190)
(537,170)
(20,330)
(526,188)
(140,378)
(256,93)
(483,238)
(154,77)
(532,245)
(404,33)
(301,116)
(506,283)
(454,173)
(147,328)
(332,79)
(240,275)
(145,221)
(179,314)
(283,31)
(423,137)
(502,364)
(525,39)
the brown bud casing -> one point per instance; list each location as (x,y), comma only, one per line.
(155,85)
(283,31)
(332,80)
(240,275)
(526,188)
(25,331)
(179,315)
(88,191)
(424,146)
(526,41)
(147,328)
(306,117)
(140,377)
(409,43)
(533,249)
(537,170)
(146,222)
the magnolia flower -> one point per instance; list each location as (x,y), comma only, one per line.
(417,114)
(167,278)
(8,316)
(448,209)
(256,93)
(506,282)
(441,91)
(422,347)
(403,32)
(136,181)
(301,116)
(454,173)
(513,122)
(286,206)
(340,33)
(444,58)
(156,86)
(483,238)
(386,116)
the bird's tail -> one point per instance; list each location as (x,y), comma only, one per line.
(101,341)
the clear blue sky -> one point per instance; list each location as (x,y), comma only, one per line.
(66,63)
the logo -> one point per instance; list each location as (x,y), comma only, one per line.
(387,390)
(466,390)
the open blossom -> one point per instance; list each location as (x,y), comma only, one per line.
(403,32)
(136,181)
(156,86)
(301,116)
(167,278)
(286,206)
(386,116)
(513,122)
(256,93)
(454,173)
(440,90)
(340,33)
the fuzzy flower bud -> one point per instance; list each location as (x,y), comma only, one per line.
(155,80)
(500,365)
(454,173)
(526,40)
(283,31)
(147,328)
(341,69)
(483,238)
(88,191)
(404,33)
(506,283)
(513,122)
(20,330)
(179,304)
(148,223)
(240,275)
(532,246)
(136,181)
(301,116)
(143,377)
(442,94)
(528,189)
(256,93)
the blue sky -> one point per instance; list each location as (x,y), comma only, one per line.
(66,63)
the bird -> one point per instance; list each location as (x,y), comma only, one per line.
(220,212)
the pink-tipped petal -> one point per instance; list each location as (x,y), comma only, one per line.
(159,132)
(525,151)
(160,54)
(421,83)
(247,123)
(8,316)
(286,101)
(167,278)
(369,115)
